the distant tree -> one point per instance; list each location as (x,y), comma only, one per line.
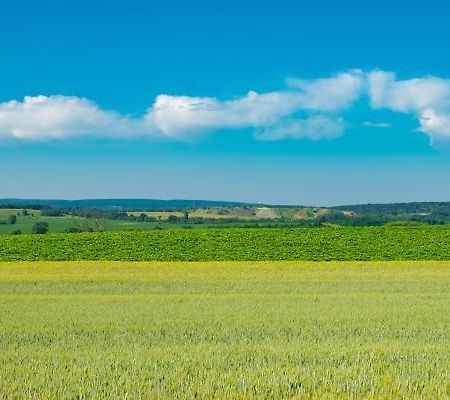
(186,215)
(16,232)
(89,224)
(53,212)
(12,219)
(40,227)
(24,212)
(73,229)
(172,219)
(142,217)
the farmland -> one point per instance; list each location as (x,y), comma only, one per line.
(114,218)
(226,312)
(226,244)
(130,221)
(60,224)
(225,330)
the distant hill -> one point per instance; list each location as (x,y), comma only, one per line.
(424,212)
(228,212)
(398,208)
(122,204)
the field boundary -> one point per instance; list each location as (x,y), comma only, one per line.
(231,264)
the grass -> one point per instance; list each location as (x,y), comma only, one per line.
(225,330)
(226,244)
(25,224)
(61,224)
(5,212)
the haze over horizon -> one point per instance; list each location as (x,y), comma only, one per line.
(325,103)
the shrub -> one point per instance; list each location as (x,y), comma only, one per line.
(40,227)
(74,229)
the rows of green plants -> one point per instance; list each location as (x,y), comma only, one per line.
(350,243)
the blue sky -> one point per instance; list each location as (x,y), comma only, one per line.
(301,102)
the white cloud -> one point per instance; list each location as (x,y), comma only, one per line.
(330,94)
(436,124)
(305,109)
(180,117)
(408,96)
(57,117)
(428,99)
(314,128)
(382,125)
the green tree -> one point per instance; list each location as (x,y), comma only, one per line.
(40,227)
(12,219)
(142,217)
(172,219)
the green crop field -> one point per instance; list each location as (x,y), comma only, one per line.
(225,330)
(350,243)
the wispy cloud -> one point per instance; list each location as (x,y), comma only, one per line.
(382,125)
(313,128)
(329,94)
(272,116)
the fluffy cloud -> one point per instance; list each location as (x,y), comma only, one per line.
(56,117)
(436,124)
(304,109)
(331,94)
(428,99)
(408,96)
(179,117)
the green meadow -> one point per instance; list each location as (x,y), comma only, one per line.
(25,222)
(60,224)
(91,330)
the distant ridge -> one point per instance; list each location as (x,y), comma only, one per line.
(386,208)
(429,207)
(123,204)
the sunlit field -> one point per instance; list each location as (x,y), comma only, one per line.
(225,330)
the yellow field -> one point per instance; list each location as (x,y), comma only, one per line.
(225,330)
